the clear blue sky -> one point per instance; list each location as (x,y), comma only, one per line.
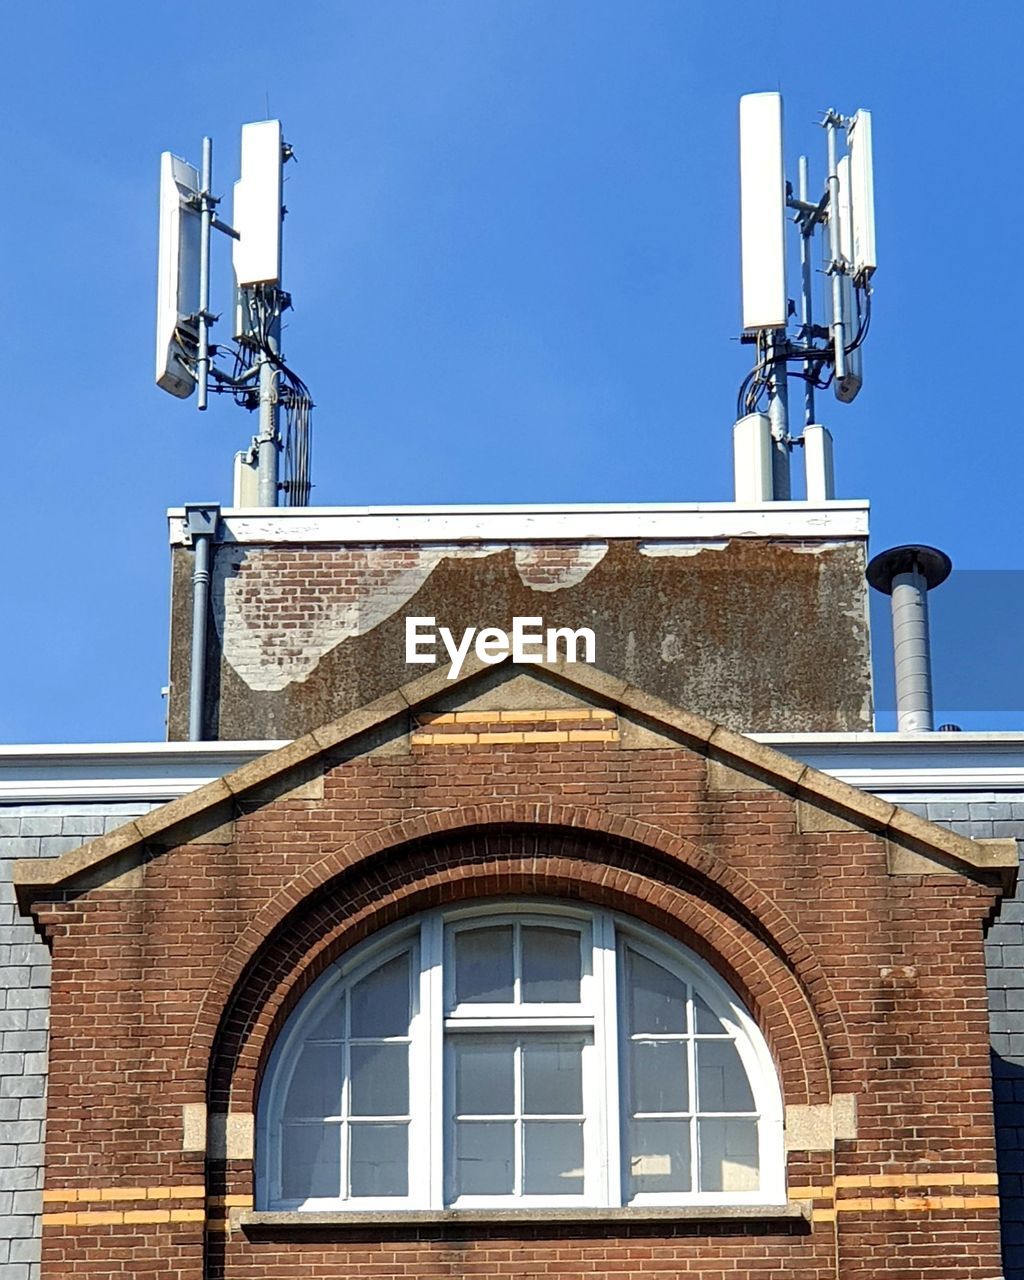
(512,245)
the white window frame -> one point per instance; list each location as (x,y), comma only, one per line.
(597,1019)
(580,1020)
(283,1061)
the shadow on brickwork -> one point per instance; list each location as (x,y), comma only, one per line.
(1008,1090)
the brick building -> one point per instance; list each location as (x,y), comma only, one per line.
(659,964)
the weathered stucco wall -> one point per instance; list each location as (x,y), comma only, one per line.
(760,634)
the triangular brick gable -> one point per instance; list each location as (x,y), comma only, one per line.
(423,705)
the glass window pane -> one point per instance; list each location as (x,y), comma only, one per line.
(553,1158)
(728,1155)
(553,1078)
(379,1079)
(379,1159)
(551,967)
(483,965)
(657,999)
(310,1161)
(315,1087)
(484,1076)
(659,1155)
(329,1022)
(707,1021)
(380,1001)
(659,1076)
(484,1161)
(722,1083)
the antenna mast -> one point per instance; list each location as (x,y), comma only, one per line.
(822,356)
(259,379)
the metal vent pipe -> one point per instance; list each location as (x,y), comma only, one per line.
(907,574)
(201,519)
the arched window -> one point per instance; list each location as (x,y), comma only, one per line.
(519,1055)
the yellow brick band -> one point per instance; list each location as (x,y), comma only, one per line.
(443,739)
(513,737)
(914,1204)
(123,1217)
(852,1204)
(891,1181)
(110,1216)
(883,1180)
(513,717)
(86,1195)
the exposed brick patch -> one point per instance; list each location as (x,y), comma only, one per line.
(552,566)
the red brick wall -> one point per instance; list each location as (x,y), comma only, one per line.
(863,983)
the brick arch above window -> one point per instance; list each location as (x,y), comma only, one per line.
(637,869)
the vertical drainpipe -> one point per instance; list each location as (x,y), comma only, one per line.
(201,519)
(907,574)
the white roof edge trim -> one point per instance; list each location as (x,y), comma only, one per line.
(890,764)
(696,521)
(886,740)
(902,764)
(57,751)
(139,772)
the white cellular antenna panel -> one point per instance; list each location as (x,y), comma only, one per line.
(762,212)
(844,213)
(177,289)
(847,387)
(862,196)
(256,216)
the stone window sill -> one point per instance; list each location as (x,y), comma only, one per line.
(445,1222)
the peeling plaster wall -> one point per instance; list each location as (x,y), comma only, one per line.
(760,634)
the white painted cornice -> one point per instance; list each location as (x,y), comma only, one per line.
(117,771)
(683,522)
(901,767)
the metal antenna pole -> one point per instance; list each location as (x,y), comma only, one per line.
(206,220)
(267,442)
(778,415)
(831,122)
(806,280)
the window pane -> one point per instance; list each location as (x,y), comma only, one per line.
(553,1078)
(484,1162)
(380,1002)
(708,1022)
(484,1077)
(659,1155)
(315,1088)
(310,1161)
(329,1023)
(657,1000)
(551,968)
(722,1083)
(553,1158)
(728,1155)
(379,1079)
(483,965)
(659,1075)
(379,1159)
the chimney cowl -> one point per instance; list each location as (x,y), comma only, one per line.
(933,565)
